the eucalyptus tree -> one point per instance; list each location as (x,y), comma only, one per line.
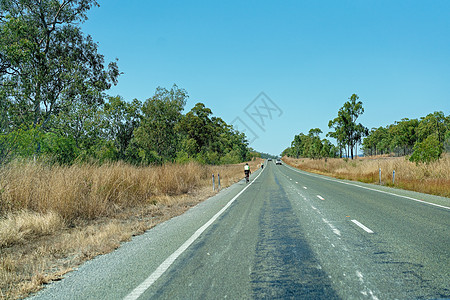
(156,136)
(297,145)
(346,129)
(47,64)
(435,123)
(315,147)
(119,121)
(404,135)
(198,127)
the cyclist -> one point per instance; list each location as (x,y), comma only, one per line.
(247,172)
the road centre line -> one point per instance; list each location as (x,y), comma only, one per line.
(335,230)
(320,197)
(367,188)
(366,229)
(145,285)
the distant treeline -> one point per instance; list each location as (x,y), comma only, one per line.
(149,132)
(266,155)
(423,139)
(311,146)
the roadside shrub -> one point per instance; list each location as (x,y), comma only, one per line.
(427,151)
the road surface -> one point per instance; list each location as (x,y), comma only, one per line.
(287,234)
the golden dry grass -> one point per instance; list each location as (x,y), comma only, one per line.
(17,227)
(433,178)
(89,191)
(54,218)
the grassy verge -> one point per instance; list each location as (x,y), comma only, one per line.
(433,178)
(54,218)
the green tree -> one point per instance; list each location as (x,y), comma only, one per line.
(300,146)
(60,149)
(198,128)
(346,129)
(428,150)
(287,152)
(46,62)
(435,123)
(210,139)
(311,146)
(404,135)
(156,137)
(120,120)
(315,144)
(447,141)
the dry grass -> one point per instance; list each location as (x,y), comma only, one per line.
(433,178)
(54,218)
(18,227)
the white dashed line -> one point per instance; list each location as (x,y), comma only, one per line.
(360,276)
(366,229)
(305,188)
(335,230)
(320,197)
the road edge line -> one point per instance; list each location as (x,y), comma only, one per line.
(367,188)
(147,283)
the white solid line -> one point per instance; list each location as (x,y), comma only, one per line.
(305,187)
(320,197)
(139,290)
(362,226)
(367,188)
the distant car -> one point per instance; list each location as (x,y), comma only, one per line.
(269,159)
(278,162)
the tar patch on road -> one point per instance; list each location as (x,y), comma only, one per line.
(285,266)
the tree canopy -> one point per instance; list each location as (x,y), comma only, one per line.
(347,131)
(47,63)
(53,102)
(424,139)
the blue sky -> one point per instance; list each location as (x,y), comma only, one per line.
(307,57)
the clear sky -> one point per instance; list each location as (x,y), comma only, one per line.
(307,57)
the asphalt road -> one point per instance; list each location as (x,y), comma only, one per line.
(286,235)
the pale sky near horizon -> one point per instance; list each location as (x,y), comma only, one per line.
(306,57)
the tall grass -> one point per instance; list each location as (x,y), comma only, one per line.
(87,192)
(90,191)
(53,218)
(432,178)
